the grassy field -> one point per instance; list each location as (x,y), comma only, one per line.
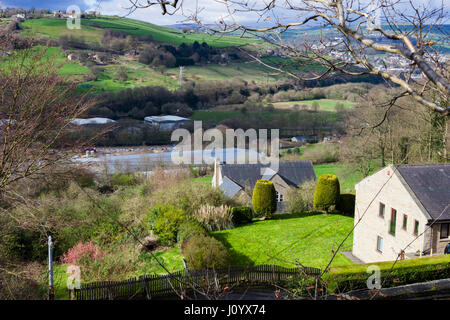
(307,238)
(324,104)
(346,174)
(248,71)
(92,29)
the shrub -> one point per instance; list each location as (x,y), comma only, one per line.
(301,199)
(327,192)
(241,215)
(214,218)
(264,198)
(123,179)
(81,252)
(203,252)
(188,229)
(167,221)
(346,203)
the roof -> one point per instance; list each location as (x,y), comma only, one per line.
(81,122)
(294,173)
(165,119)
(431,187)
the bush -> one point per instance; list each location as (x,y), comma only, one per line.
(123,179)
(301,199)
(203,252)
(81,252)
(240,215)
(214,218)
(264,198)
(188,229)
(165,222)
(327,192)
(346,203)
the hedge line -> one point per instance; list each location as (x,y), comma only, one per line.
(354,277)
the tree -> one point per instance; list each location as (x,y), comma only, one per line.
(264,198)
(327,192)
(377,26)
(33,121)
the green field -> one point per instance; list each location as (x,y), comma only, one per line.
(306,238)
(324,104)
(249,71)
(92,29)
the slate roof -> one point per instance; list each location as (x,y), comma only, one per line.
(431,186)
(293,172)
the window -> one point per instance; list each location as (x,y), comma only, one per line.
(393,221)
(405,222)
(279,197)
(445,230)
(416,227)
(379,244)
(381,211)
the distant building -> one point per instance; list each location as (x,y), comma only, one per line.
(299,139)
(234,179)
(166,123)
(88,121)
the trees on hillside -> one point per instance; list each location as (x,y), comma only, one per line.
(404,30)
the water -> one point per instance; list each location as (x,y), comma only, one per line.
(148,161)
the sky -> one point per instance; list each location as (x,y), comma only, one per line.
(211,12)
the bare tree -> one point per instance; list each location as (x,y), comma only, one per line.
(36,110)
(402,29)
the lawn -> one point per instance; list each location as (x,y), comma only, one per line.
(307,238)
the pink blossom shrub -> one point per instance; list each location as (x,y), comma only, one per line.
(81,252)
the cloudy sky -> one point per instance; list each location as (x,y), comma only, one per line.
(212,10)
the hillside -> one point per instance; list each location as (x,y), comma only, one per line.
(92,29)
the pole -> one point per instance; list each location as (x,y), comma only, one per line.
(51,289)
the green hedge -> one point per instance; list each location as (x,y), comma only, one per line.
(327,192)
(241,215)
(409,271)
(264,198)
(165,221)
(346,203)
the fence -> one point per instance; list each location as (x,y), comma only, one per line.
(152,286)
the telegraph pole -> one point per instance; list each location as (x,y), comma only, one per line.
(180,79)
(51,289)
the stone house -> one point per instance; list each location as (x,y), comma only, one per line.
(238,180)
(402,210)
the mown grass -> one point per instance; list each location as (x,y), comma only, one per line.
(324,104)
(306,238)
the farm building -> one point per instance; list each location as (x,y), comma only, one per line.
(166,123)
(402,211)
(89,121)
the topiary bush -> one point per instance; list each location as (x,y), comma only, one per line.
(188,229)
(327,192)
(165,222)
(346,203)
(203,252)
(264,198)
(241,215)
